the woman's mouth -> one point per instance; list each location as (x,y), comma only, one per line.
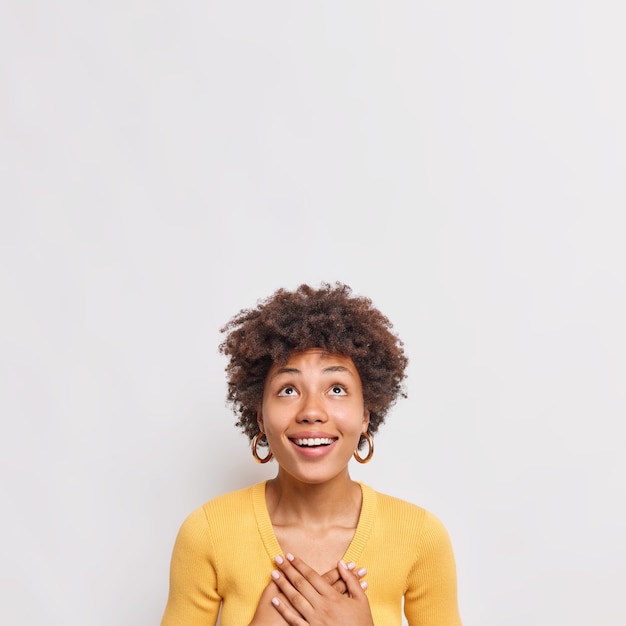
(313,442)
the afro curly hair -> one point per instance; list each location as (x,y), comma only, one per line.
(329,318)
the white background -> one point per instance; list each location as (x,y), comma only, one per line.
(165,164)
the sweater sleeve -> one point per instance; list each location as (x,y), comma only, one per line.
(431,595)
(193,599)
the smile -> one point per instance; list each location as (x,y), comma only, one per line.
(313,442)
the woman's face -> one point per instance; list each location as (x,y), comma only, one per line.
(313,414)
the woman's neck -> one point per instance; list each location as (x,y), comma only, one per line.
(291,502)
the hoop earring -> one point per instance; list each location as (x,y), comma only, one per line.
(255,453)
(370,454)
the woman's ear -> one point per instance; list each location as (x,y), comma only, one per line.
(259,420)
(366,421)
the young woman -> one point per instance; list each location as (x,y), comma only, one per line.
(312,374)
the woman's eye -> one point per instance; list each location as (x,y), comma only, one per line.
(287,391)
(337,390)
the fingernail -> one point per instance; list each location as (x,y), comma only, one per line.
(275,601)
(343,565)
(363,585)
(362,572)
(279,559)
(289,556)
(275,575)
(351,565)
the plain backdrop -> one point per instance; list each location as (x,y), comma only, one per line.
(165,164)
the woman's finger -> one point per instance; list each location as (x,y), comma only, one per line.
(265,612)
(288,614)
(334,579)
(303,577)
(356,588)
(295,587)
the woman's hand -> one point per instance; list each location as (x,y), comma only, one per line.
(308,599)
(266,614)
(333,577)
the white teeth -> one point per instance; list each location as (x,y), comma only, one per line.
(317,441)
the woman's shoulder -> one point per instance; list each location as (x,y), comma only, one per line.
(227,508)
(395,504)
(401,513)
(232,504)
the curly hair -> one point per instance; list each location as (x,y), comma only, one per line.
(329,318)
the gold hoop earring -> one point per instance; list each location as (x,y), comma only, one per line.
(370,454)
(255,453)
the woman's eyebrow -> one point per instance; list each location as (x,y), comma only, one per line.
(327,370)
(286,370)
(336,368)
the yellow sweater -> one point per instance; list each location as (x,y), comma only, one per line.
(224,554)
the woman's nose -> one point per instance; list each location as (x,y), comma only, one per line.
(312,410)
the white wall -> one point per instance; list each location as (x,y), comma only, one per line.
(164,164)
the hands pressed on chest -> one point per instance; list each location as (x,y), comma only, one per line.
(299,596)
